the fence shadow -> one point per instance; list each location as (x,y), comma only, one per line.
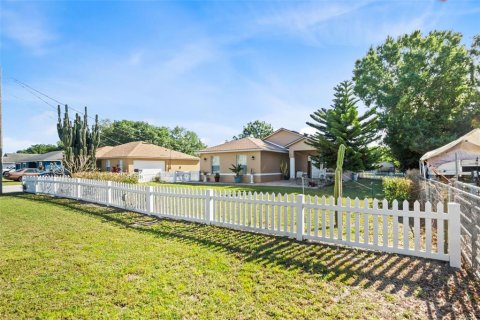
(447,292)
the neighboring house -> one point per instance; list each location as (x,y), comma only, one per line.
(262,158)
(137,156)
(40,161)
(10,159)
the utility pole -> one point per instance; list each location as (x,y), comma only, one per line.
(1,135)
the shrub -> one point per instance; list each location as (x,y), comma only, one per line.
(108,176)
(399,189)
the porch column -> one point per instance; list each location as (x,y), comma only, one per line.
(292,164)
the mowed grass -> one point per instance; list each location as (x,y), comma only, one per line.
(10,182)
(364,188)
(65,259)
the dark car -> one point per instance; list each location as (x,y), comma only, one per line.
(17,175)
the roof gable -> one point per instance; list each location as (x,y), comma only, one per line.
(245,144)
(284,137)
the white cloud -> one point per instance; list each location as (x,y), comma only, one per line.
(15,144)
(26,26)
(348,22)
(308,130)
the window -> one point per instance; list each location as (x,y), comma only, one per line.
(215,164)
(107,166)
(120,165)
(242,160)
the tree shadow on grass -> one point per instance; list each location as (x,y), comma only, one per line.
(446,292)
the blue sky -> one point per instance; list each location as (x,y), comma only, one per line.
(208,66)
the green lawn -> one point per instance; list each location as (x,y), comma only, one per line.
(65,259)
(10,182)
(364,188)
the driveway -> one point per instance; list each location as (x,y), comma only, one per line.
(12,189)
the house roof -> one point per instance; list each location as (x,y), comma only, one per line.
(466,147)
(17,157)
(141,150)
(245,144)
(49,156)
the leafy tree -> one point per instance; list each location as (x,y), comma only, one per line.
(257,129)
(385,154)
(124,131)
(41,148)
(424,89)
(342,125)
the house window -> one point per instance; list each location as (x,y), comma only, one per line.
(108,168)
(215,164)
(242,160)
(120,165)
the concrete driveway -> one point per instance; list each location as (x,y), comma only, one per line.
(12,189)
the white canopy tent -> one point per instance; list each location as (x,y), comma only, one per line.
(466,147)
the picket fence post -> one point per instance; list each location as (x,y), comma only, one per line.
(454,249)
(54,186)
(209,206)
(109,193)
(77,188)
(149,200)
(300,217)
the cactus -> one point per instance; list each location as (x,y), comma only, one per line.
(80,143)
(337,191)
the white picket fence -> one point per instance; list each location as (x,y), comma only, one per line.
(430,233)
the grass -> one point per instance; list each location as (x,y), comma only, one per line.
(65,259)
(10,182)
(364,188)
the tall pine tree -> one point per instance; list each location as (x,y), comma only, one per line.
(341,124)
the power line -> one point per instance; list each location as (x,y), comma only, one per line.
(30,89)
(27,88)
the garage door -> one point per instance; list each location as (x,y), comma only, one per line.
(148,164)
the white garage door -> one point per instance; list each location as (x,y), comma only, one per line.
(149,164)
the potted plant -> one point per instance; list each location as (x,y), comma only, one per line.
(284,170)
(237,169)
(217,177)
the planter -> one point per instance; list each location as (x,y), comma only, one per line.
(217,178)
(205,178)
(238,179)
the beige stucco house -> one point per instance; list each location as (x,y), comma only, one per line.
(262,158)
(134,156)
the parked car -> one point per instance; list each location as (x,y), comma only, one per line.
(17,175)
(6,170)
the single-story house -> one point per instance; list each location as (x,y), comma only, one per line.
(40,161)
(262,158)
(10,159)
(138,155)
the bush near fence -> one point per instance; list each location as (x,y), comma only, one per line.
(397,189)
(107,176)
